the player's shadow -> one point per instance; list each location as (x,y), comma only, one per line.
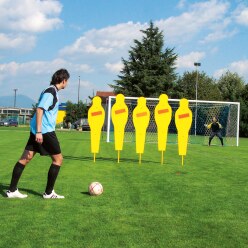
(86,158)
(4,188)
(180,173)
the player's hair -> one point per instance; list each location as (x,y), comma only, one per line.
(59,76)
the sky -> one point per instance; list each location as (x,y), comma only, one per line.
(90,37)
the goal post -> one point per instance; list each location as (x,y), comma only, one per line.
(227,113)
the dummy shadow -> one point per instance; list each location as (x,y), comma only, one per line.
(87,158)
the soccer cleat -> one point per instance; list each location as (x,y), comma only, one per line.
(53,195)
(15,194)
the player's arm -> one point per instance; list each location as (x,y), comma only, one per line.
(208,126)
(39,114)
(220,126)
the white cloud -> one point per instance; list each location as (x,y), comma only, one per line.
(181,4)
(41,67)
(114,67)
(201,16)
(29,15)
(22,42)
(239,67)
(104,41)
(219,31)
(242,15)
(187,61)
(20,21)
(218,35)
(214,50)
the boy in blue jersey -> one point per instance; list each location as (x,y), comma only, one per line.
(42,138)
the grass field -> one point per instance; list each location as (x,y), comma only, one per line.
(203,204)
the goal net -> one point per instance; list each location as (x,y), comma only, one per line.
(227,113)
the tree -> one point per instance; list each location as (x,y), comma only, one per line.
(233,89)
(244,112)
(207,89)
(75,111)
(231,86)
(149,71)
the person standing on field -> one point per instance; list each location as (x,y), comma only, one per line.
(215,127)
(42,137)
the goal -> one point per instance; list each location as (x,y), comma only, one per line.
(227,113)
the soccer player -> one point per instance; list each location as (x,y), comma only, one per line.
(42,137)
(215,127)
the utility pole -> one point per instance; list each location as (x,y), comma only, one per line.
(15,97)
(196,93)
(78,88)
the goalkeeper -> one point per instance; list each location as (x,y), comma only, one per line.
(215,127)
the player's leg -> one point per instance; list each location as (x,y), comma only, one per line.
(53,148)
(17,172)
(26,157)
(210,138)
(53,172)
(220,137)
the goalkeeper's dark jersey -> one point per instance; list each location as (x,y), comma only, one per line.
(215,126)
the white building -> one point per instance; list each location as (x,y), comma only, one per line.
(22,115)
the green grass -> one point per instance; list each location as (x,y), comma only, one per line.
(203,204)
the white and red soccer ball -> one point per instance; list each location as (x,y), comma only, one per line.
(95,188)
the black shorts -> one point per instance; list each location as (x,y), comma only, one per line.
(49,146)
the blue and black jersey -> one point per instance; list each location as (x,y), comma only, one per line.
(49,102)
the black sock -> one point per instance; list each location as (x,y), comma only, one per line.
(51,178)
(16,174)
(221,140)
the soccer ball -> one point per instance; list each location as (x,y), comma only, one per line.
(95,188)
